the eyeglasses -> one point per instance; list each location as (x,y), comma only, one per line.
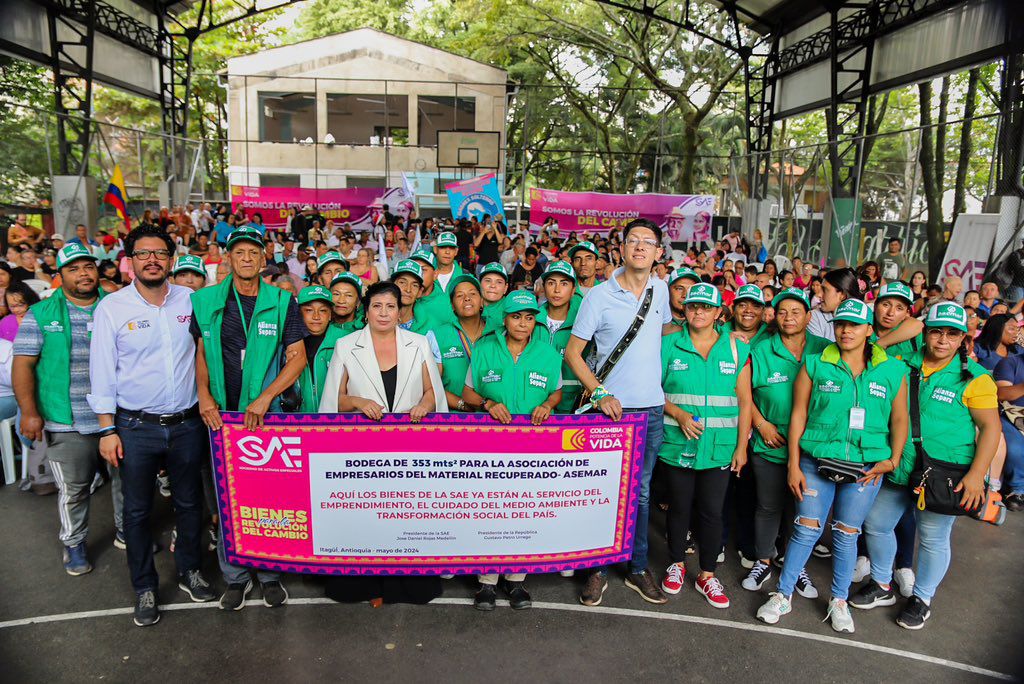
(950,333)
(637,242)
(145,254)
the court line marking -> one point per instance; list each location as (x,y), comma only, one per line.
(571,608)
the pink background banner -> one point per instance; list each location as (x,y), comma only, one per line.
(356,206)
(683,218)
(456,493)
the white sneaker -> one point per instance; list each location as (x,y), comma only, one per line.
(774,608)
(447,576)
(746,562)
(839,614)
(904,578)
(567,573)
(721,556)
(861,570)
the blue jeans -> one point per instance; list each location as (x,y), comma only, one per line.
(852,503)
(1013,471)
(147,448)
(655,434)
(933,556)
(891,506)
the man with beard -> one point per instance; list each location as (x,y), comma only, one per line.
(50,374)
(142,363)
(584,262)
(679,284)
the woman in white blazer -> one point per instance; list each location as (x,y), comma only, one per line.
(382,368)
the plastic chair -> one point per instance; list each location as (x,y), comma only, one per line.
(7,451)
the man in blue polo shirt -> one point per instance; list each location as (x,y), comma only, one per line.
(634,383)
(1009,377)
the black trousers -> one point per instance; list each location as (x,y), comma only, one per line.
(703,493)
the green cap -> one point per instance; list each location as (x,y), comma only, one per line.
(521,300)
(586,245)
(426,256)
(350,278)
(792,293)
(315,293)
(189,262)
(244,233)
(750,293)
(947,315)
(447,240)
(496,268)
(407,266)
(896,289)
(328,257)
(560,268)
(462,278)
(683,272)
(704,293)
(854,311)
(72,252)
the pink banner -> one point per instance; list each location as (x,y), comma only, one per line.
(683,218)
(356,206)
(457,493)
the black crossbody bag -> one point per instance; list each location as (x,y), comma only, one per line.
(932,482)
(620,348)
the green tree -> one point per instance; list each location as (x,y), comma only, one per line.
(326,17)
(26,97)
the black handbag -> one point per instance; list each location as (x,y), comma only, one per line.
(839,471)
(932,482)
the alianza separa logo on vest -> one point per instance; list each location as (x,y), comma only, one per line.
(268,329)
(492,377)
(727,368)
(944,395)
(830,388)
(538,380)
(876,390)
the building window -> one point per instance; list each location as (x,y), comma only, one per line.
(436,113)
(279,180)
(368,119)
(287,117)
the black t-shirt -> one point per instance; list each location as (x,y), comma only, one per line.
(313,343)
(232,337)
(487,251)
(465,240)
(525,276)
(19,274)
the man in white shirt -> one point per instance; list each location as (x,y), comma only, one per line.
(143,378)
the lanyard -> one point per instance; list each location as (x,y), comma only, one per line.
(241,313)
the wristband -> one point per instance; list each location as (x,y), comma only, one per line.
(110,430)
(599,393)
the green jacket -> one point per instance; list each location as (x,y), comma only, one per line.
(263,342)
(53,369)
(522,386)
(706,389)
(311,382)
(494,316)
(904,350)
(834,391)
(355,324)
(456,272)
(773,372)
(456,349)
(571,386)
(760,336)
(947,429)
(432,311)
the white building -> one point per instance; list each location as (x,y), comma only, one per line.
(356,109)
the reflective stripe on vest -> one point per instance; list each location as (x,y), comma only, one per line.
(710,422)
(700,400)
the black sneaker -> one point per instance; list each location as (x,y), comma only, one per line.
(518,597)
(197,588)
(233,597)
(485,597)
(594,589)
(146,612)
(274,594)
(1014,502)
(643,583)
(872,595)
(759,574)
(821,551)
(914,614)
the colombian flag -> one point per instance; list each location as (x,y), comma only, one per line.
(117,196)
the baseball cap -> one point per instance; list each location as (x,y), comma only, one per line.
(350,278)
(72,252)
(750,293)
(896,289)
(586,245)
(683,272)
(189,262)
(315,293)
(559,268)
(462,278)
(704,293)
(854,311)
(792,293)
(245,233)
(494,267)
(521,300)
(328,257)
(947,315)
(57,236)
(426,256)
(447,240)
(407,266)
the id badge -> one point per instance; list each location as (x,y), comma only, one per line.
(857,418)
(241,362)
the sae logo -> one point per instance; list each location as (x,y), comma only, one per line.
(255,453)
(573,440)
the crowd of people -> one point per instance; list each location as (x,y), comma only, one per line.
(785,401)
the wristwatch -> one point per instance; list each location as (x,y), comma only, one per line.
(461,406)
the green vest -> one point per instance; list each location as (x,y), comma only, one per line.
(452,341)
(53,369)
(571,386)
(947,429)
(263,342)
(904,350)
(834,391)
(773,372)
(433,311)
(522,386)
(456,272)
(704,388)
(760,336)
(311,382)
(494,316)
(355,324)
